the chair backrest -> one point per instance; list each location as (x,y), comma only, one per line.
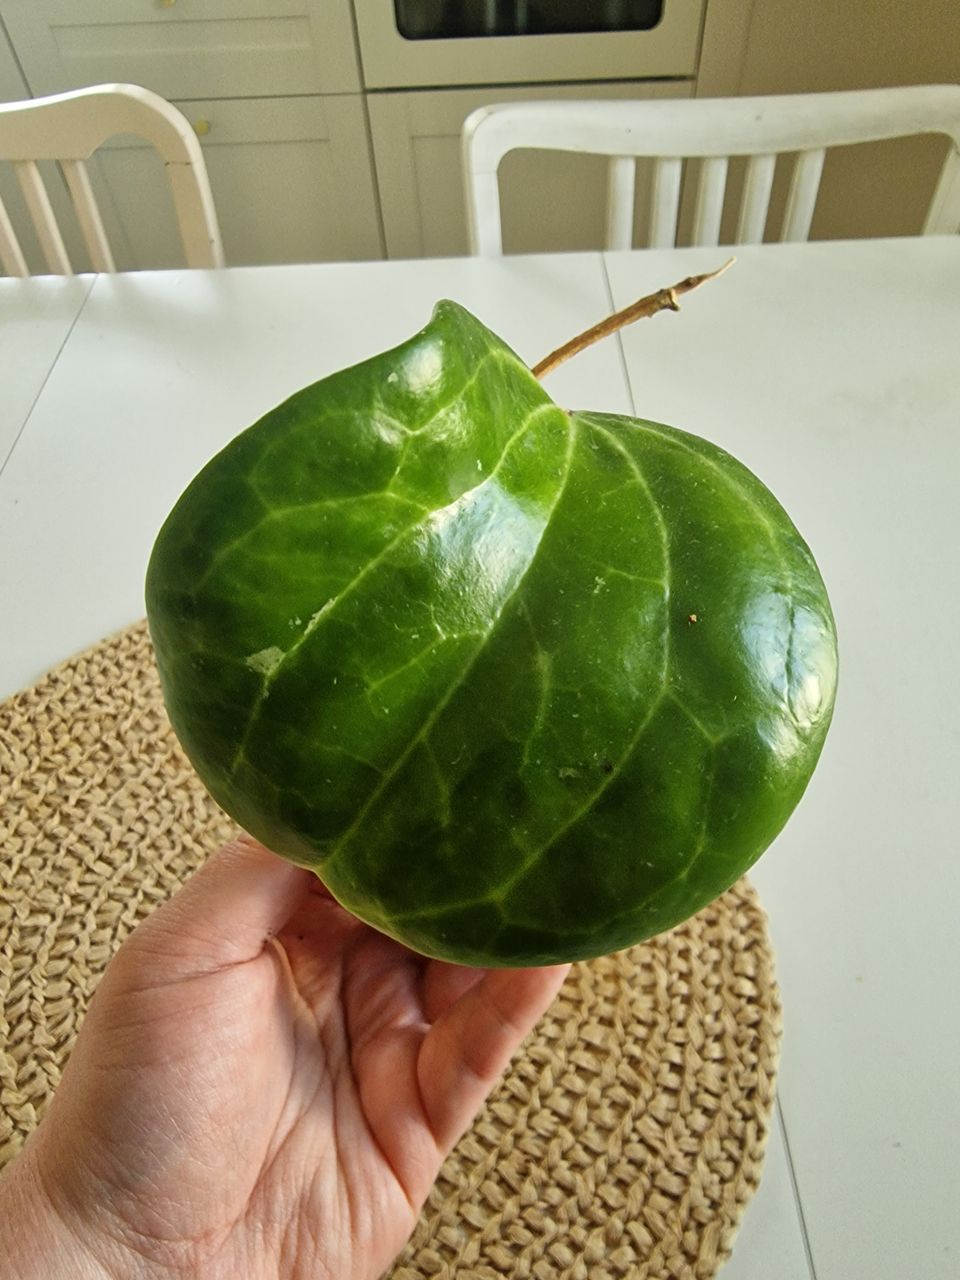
(68,128)
(713,130)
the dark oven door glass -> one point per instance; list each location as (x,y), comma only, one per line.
(447,19)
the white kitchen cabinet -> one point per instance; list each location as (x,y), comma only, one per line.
(551,201)
(187,48)
(291,178)
(294,178)
(273,90)
(320,148)
(12,85)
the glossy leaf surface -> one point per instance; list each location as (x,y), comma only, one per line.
(521,685)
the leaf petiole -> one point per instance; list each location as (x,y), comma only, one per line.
(662,300)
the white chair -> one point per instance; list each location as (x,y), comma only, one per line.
(713,129)
(68,128)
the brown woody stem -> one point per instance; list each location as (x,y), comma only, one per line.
(662,300)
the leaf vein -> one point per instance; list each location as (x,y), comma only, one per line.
(435,713)
(654,706)
(326,609)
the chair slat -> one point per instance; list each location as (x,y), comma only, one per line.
(193,201)
(484,227)
(943,216)
(804,187)
(69,127)
(88,214)
(709,207)
(756,199)
(11,255)
(764,127)
(665,201)
(621,188)
(42,216)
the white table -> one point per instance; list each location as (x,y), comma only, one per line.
(36,317)
(832,370)
(163,368)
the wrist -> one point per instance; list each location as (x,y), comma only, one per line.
(37,1241)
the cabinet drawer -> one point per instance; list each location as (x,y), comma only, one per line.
(189,48)
(416,140)
(292,181)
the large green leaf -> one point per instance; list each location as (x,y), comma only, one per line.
(521,685)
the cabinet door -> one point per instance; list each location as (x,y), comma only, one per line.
(187,48)
(292,178)
(292,182)
(550,200)
(12,86)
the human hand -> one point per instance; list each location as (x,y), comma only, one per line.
(262,1087)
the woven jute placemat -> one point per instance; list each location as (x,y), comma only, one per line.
(624,1141)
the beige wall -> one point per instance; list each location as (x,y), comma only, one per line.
(798,46)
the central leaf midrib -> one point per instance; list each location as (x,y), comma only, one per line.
(635,737)
(435,713)
(328,607)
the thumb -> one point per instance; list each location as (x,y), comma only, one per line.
(226,912)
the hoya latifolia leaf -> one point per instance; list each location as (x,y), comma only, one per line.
(521,685)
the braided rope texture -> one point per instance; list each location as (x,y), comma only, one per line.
(628,1134)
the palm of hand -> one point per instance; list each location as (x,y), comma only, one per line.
(266,1087)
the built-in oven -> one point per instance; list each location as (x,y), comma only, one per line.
(421,43)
